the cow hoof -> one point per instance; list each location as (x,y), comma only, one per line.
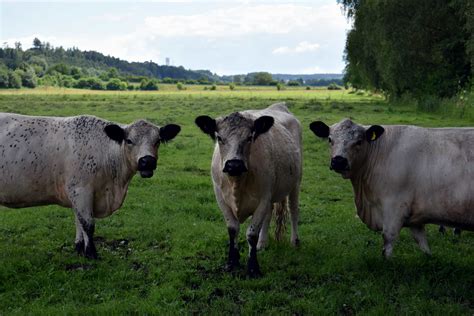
(91,252)
(296,242)
(80,248)
(231,266)
(254,273)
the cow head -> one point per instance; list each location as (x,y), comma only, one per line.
(140,141)
(234,134)
(348,141)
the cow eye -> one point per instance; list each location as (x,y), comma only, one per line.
(249,139)
(219,139)
(129,141)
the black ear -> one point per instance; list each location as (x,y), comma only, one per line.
(207,125)
(169,132)
(262,125)
(115,132)
(374,132)
(319,129)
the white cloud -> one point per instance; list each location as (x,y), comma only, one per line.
(302,47)
(248,19)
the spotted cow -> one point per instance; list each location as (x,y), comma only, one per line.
(82,162)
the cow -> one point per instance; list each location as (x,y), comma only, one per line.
(81,162)
(256,166)
(405,176)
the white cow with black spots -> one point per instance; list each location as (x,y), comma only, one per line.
(83,162)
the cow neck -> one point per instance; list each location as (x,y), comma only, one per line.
(125,170)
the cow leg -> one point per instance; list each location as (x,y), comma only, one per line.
(79,237)
(263,236)
(82,203)
(233,228)
(253,268)
(419,235)
(441,229)
(392,224)
(294,216)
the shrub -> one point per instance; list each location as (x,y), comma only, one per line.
(3,77)
(213,87)
(333,86)
(231,86)
(293,83)
(116,84)
(180,86)
(93,83)
(149,85)
(14,80)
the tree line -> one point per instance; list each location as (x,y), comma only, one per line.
(407,47)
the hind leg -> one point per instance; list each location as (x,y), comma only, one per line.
(263,236)
(294,215)
(419,235)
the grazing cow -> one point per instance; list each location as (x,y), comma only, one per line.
(82,162)
(257,164)
(405,175)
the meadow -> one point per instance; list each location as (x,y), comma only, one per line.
(163,252)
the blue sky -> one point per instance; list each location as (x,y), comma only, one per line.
(226,37)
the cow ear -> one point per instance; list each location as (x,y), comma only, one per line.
(319,129)
(169,132)
(262,125)
(374,132)
(207,125)
(115,132)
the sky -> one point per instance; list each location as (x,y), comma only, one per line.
(225,37)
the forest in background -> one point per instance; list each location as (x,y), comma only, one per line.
(46,65)
(420,49)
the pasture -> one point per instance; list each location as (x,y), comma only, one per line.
(163,252)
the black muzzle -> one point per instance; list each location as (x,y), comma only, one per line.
(146,166)
(234,167)
(339,164)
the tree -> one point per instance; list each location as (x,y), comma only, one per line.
(3,77)
(262,79)
(149,85)
(29,78)
(400,47)
(37,44)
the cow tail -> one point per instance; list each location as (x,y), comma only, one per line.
(281,214)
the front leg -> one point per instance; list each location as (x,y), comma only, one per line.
(82,203)
(253,268)
(393,215)
(233,227)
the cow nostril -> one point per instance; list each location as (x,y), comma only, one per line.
(147,162)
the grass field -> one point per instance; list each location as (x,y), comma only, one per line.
(163,251)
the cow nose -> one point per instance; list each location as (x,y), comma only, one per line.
(339,163)
(234,167)
(147,163)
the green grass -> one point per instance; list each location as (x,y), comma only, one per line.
(164,250)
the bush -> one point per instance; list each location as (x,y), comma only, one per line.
(93,83)
(130,87)
(213,87)
(29,78)
(293,83)
(180,86)
(14,80)
(334,86)
(280,86)
(116,84)
(3,77)
(308,88)
(149,85)
(231,86)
